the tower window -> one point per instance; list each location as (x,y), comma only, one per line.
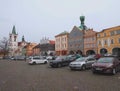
(15,38)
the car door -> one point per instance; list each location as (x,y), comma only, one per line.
(116,63)
(89,62)
(64,61)
(36,60)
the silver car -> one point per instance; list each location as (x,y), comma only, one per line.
(82,63)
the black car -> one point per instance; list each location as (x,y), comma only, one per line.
(61,61)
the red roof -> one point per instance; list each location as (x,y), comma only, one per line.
(51,41)
(19,43)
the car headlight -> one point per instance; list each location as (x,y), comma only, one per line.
(110,65)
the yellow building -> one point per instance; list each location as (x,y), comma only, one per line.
(108,41)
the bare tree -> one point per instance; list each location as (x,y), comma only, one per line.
(4,46)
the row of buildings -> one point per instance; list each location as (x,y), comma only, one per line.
(80,39)
(86,41)
(24,48)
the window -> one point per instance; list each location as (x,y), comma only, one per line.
(112,33)
(99,42)
(104,34)
(112,42)
(105,42)
(118,32)
(98,35)
(119,40)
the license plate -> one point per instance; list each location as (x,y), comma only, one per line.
(98,68)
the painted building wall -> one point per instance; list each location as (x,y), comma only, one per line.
(90,41)
(76,40)
(61,43)
(109,39)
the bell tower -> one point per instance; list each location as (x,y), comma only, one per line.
(13,42)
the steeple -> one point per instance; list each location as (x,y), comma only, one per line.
(82,26)
(14,30)
(23,39)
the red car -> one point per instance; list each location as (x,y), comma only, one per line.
(106,65)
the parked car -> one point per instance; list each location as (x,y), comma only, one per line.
(82,63)
(61,61)
(18,58)
(51,57)
(106,65)
(38,60)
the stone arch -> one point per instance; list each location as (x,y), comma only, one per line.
(90,52)
(116,51)
(71,52)
(103,51)
(79,52)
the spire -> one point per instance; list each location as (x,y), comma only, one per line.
(23,39)
(14,30)
(82,26)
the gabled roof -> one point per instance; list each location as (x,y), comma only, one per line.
(63,33)
(37,46)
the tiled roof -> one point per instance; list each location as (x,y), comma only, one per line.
(51,41)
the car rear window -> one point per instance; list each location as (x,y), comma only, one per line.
(106,60)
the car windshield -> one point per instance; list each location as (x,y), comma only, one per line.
(81,59)
(105,60)
(60,58)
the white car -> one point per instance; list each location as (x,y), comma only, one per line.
(38,60)
(82,63)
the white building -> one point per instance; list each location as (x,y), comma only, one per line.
(13,42)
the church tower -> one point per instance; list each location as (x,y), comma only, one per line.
(13,42)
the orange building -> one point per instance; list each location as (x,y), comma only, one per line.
(109,41)
(61,43)
(90,40)
(36,50)
(29,49)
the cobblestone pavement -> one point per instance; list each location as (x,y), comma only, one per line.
(19,76)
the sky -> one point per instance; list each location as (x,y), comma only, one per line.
(36,19)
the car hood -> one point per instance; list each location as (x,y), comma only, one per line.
(102,64)
(77,62)
(55,61)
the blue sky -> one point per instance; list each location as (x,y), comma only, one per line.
(46,18)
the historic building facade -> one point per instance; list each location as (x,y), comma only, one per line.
(13,42)
(36,50)
(21,45)
(76,41)
(108,41)
(28,49)
(90,42)
(61,43)
(47,47)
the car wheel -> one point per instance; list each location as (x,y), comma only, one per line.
(83,67)
(59,65)
(34,63)
(45,62)
(114,71)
